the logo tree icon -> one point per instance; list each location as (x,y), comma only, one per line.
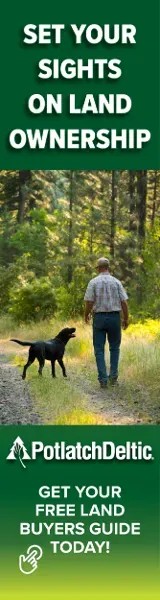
(19,451)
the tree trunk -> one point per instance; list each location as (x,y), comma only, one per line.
(113,217)
(132,206)
(154,199)
(91,225)
(142,196)
(132,225)
(70,232)
(23,178)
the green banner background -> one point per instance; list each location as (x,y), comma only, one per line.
(131,568)
(140,79)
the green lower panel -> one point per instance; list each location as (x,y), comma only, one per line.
(128,567)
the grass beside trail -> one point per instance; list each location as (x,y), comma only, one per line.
(64,402)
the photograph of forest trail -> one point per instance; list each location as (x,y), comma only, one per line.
(54,225)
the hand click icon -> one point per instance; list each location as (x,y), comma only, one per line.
(28,563)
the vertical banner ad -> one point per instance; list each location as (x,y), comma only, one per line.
(79,301)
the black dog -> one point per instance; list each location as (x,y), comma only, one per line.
(51,350)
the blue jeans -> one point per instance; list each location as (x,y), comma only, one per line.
(107,324)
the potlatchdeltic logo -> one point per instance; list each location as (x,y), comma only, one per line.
(18,451)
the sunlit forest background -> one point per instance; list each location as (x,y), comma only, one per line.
(53,226)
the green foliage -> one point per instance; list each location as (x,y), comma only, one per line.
(6,278)
(147,278)
(70,299)
(55,224)
(33,301)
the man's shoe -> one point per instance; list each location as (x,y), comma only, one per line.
(103,384)
(113,380)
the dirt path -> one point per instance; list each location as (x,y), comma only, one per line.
(16,406)
(112,405)
(118,405)
(15,403)
(104,403)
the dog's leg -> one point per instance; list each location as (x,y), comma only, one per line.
(25,369)
(41,365)
(53,368)
(61,363)
(28,364)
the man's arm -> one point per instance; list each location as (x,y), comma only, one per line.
(124,306)
(89,300)
(88,310)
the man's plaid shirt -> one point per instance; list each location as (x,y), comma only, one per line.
(106,292)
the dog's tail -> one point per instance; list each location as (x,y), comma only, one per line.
(22,343)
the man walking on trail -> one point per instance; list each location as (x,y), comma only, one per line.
(106,297)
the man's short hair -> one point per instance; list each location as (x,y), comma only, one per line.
(103,262)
